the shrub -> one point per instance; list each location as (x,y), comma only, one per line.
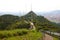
(10,33)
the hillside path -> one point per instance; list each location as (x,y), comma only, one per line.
(47,37)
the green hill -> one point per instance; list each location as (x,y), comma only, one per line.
(14,22)
(6,20)
(17,28)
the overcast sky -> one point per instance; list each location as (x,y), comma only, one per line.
(25,5)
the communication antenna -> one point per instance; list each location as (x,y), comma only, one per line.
(31,6)
(31,12)
(25,7)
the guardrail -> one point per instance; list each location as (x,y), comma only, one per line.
(55,34)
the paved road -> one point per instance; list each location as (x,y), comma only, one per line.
(54,33)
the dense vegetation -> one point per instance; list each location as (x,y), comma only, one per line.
(6,20)
(14,23)
(20,34)
(11,33)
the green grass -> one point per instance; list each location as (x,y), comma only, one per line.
(21,34)
(55,38)
(30,35)
(11,33)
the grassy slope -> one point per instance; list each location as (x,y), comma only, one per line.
(56,38)
(31,35)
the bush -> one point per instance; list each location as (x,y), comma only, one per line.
(10,33)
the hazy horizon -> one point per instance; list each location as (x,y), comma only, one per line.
(24,6)
(23,13)
(27,5)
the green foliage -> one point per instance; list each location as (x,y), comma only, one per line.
(55,38)
(16,27)
(29,36)
(6,20)
(11,33)
(15,22)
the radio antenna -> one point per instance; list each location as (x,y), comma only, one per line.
(31,6)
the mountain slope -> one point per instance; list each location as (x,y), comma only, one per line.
(39,21)
(53,16)
(30,16)
(6,20)
(14,22)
